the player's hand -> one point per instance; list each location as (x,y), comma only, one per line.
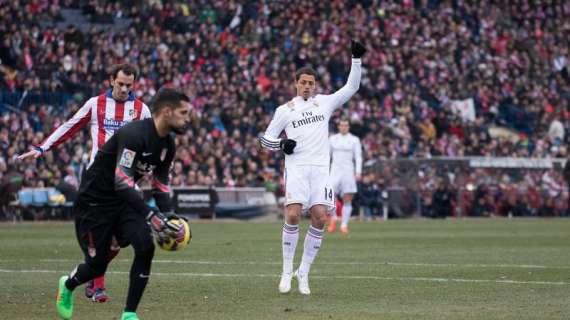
(30,154)
(287,145)
(358,177)
(358,49)
(161,226)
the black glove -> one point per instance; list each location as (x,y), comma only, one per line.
(161,225)
(358,50)
(287,145)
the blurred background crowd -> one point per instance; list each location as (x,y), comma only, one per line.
(441,79)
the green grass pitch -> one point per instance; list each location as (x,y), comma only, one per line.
(410,269)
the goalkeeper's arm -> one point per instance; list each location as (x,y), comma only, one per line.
(160,188)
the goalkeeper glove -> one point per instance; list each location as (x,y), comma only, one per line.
(161,225)
(358,50)
(287,145)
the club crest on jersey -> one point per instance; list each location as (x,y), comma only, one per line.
(92,252)
(127,158)
(133,113)
(163,154)
(291,105)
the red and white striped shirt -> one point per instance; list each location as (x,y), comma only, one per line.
(104,114)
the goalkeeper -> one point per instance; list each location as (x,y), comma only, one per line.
(109,204)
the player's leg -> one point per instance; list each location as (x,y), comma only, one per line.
(321,201)
(312,244)
(336,184)
(94,233)
(346,211)
(349,189)
(296,188)
(290,238)
(135,230)
(95,289)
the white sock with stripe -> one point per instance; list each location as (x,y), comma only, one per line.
(290,237)
(312,245)
(346,212)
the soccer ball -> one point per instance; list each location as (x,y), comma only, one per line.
(182,239)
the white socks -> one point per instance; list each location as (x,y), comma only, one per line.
(346,212)
(290,236)
(313,239)
(312,245)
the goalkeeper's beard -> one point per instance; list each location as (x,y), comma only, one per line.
(180,130)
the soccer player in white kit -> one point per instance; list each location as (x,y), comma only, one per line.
(105,114)
(305,120)
(346,168)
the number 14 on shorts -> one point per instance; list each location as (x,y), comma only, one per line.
(328,193)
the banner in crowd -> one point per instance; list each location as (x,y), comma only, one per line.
(464,108)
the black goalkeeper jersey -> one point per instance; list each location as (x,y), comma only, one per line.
(136,150)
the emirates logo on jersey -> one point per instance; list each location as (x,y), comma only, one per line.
(308,118)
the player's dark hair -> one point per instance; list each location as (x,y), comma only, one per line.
(166,97)
(127,68)
(305,70)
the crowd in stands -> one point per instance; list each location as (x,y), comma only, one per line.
(441,78)
(455,188)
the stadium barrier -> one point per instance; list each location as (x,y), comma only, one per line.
(471,186)
(37,204)
(239,203)
(192,202)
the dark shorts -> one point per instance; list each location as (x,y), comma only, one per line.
(95,227)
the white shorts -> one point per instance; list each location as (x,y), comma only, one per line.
(343,181)
(309,185)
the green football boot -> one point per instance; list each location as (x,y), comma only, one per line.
(129,316)
(64,302)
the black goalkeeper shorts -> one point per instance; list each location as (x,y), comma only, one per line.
(96,225)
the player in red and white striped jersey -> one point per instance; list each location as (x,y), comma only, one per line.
(105,114)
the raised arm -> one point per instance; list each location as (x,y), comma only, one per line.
(352,85)
(64,132)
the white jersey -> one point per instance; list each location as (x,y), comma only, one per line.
(104,114)
(346,152)
(307,122)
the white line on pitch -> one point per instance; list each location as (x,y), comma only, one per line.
(244,275)
(353,263)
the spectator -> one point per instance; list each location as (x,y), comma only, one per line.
(369,196)
(481,208)
(10,183)
(442,200)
